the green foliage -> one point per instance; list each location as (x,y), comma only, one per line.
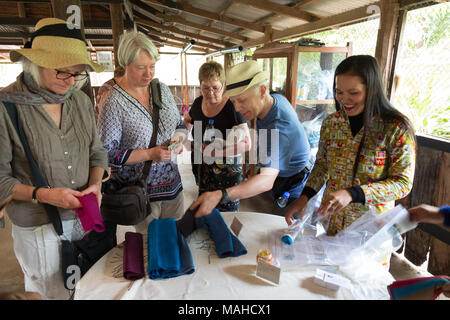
(437,26)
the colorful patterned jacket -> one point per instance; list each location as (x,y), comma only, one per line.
(385,170)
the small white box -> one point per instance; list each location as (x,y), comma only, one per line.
(330,280)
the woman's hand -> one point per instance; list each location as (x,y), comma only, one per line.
(299,206)
(187,121)
(426,213)
(179,148)
(335,202)
(95,189)
(160,154)
(206,203)
(60,197)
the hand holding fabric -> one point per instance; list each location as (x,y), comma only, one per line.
(206,203)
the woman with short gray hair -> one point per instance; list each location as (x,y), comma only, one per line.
(126,126)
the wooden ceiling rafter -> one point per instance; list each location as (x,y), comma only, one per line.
(181,40)
(182,32)
(201,27)
(207,14)
(280,9)
(300,4)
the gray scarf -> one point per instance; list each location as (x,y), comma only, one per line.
(36,94)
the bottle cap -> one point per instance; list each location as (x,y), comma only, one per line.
(287,239)
(286,195)
(211,121)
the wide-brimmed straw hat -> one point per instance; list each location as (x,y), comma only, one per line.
(244,76)
(55,45)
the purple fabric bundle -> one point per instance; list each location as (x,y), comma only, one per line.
(133,256)
(89,213)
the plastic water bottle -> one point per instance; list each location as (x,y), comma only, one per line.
(283,200)
(209,135)
(292,232)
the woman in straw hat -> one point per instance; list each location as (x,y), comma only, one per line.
(58,122)
(126,126)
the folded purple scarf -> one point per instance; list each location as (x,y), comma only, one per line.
(133,256)
(89,213)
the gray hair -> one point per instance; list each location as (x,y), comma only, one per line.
(257,86)
(33,69)
(130,46)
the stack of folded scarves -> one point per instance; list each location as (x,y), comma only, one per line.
(426,288)
(168,253)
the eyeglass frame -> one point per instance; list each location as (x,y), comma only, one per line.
(84,75)
(208,90)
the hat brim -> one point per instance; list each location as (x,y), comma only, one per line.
(258,78)
(47,59)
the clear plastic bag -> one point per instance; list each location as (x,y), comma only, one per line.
(312,129)
(372,236)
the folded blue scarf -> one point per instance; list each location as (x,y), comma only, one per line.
(168,253)
(227,244)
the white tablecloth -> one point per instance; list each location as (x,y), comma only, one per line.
(222,279)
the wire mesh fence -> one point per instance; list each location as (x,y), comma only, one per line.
(422,75)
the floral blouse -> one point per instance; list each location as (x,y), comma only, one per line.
(124,125)
(385,171)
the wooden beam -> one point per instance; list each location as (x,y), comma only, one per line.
(22,14)
(207,14)
(398,39)
(268,34)
(84,1)
(181,32)
(298,5)
(386,35)
(280,9)
(352,16)
(31,22)
(182,40)
(180,20)
(117,27)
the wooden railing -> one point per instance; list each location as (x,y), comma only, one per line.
(431,186)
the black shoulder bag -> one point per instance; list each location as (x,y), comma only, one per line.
(80,254)
(128,204)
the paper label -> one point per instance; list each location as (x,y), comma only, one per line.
(268,271)
(331,280)
(236,226)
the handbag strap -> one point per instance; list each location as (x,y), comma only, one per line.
(38,178)
(157,105)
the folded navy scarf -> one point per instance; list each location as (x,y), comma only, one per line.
(227,244)
(168,253)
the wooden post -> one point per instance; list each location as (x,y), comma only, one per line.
(182,82)
(397,40)
(59,8)
(22,14)
(227,61)
(186,92)
(386,35)
(117,27)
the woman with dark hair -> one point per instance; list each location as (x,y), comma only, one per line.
(366,153)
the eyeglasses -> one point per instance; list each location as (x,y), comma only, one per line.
(214,89)
(62,75)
